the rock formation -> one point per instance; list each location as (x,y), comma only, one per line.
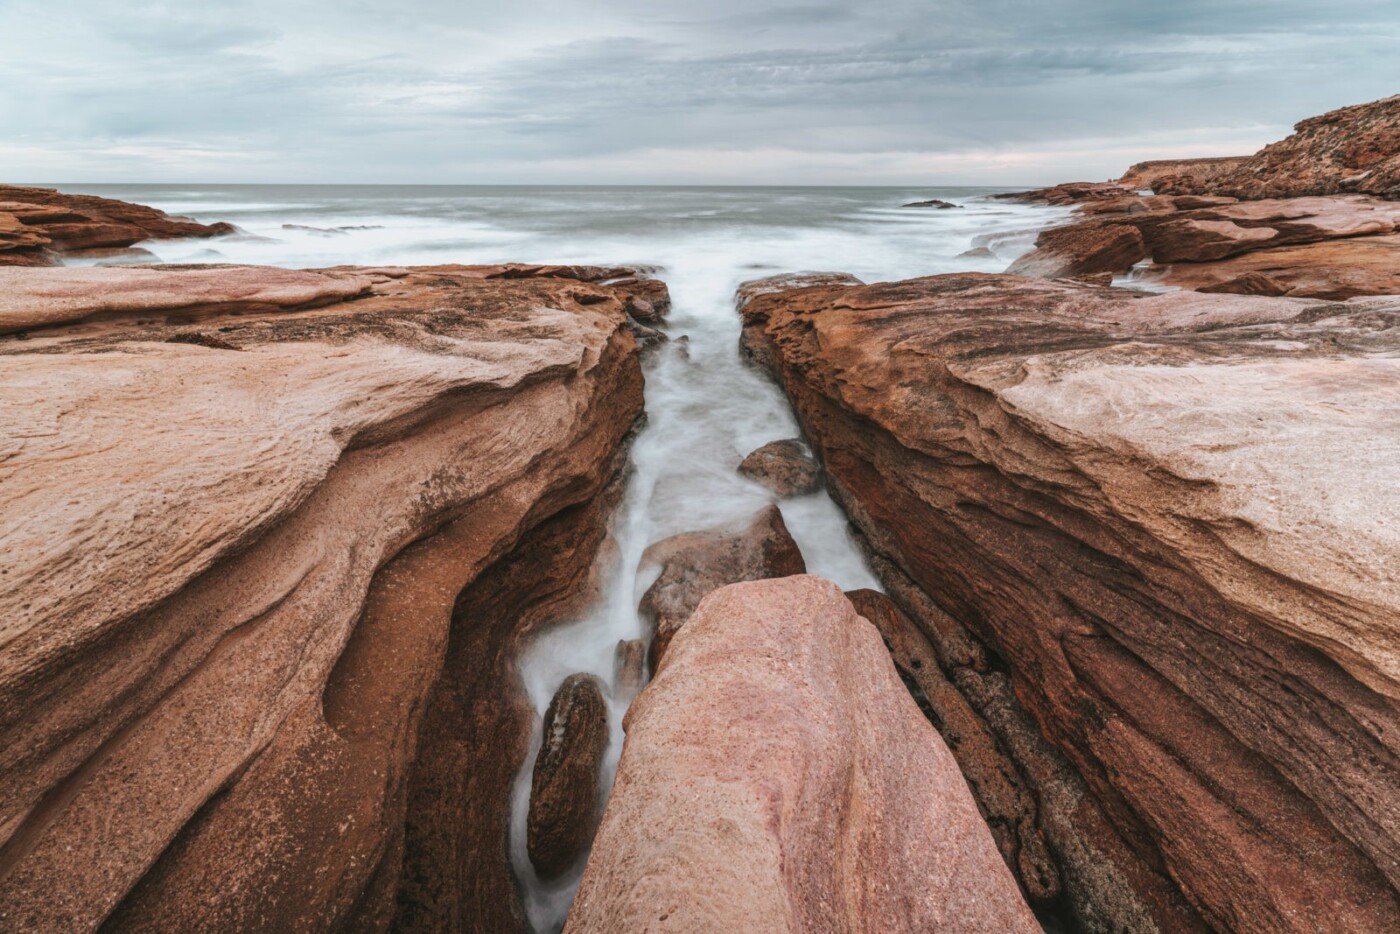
(629,666)
(1351,150)
(1147,175)
(1230,240)
(785,467)
(1165,521)
(934,203)
(777,777)
(39,225)
(695,563)
(565,791)
(271,540)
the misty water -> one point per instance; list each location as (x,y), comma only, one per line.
(706,409)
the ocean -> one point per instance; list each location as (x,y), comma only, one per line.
(706,409)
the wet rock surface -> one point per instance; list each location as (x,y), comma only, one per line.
(1150,516)
(695,563)
(777,776)
(565,793)
(786,467)
(268,568)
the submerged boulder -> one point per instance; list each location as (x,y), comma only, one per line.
(785,467)
(695,563)
(565,791)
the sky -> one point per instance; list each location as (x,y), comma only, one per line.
(667,91)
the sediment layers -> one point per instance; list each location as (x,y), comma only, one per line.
(778,777)
(1150,541)
(268,554)
(38,226)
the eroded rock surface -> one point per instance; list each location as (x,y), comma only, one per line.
(266,572)
(39,225)
(1159,516)
(565,791)
(695,563)
(777,776)
(1352,149)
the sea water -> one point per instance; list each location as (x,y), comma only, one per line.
(706,409)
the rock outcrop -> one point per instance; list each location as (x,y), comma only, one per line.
(565,792)
(1232,240)
(1147,175)
(777,777)
(1351,150)
(935,203)
(1167,522)
(785,467)
(39,225)
(266,572)
(695,563)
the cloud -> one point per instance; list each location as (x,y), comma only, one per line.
(900,91)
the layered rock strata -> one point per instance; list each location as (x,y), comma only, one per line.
(777,777)
(1157,519)
(38,226)
(1350,150)
(271,540)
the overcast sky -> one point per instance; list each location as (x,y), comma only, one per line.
(667,91)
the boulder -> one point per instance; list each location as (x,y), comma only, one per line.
(1082,249)
(629,666)
(565,792)
(932,203)
(264,593)
(1351,150)
(695,563)
(785,467)
(1168,519)
(776,776)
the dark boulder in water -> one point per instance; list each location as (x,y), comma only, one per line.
(565,791)
(933,203)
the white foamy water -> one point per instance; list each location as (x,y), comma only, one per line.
(705,410)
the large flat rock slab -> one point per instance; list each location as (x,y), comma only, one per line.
(1174,519)
(777,777)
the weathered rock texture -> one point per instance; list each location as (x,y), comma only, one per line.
(1169,522)
(1353,238)
(777,777)
(695,563)
(39,225)
(785,467)
(1353,149)
(265,573)
(1147,174)
(565,792)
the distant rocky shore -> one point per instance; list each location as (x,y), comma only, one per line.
(273,540)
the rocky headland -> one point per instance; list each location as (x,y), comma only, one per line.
(275,541)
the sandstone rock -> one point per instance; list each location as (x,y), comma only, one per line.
(1156,513)
(1082,249)
(777,777)
(1331,269)
(37,224)
(785,467)
(755,350)
(64,296)
(629,666)
(1004,798)
(695,563)
(1069,193)
(1353,149)
(1148,174)
(260,605)
(1229,230)
(565,792)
